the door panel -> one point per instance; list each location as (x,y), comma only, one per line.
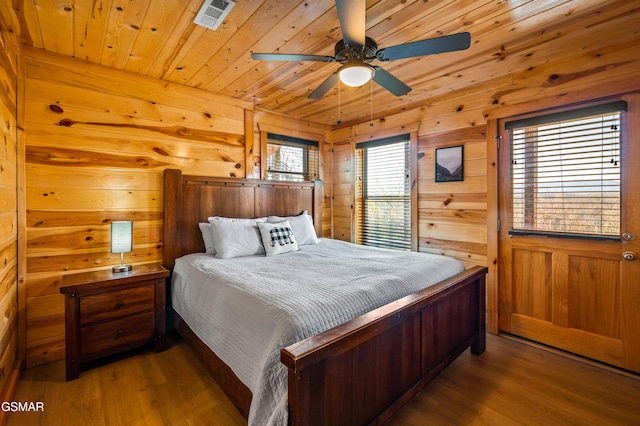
(593,296)
(531,279)
(578,295)
(564,294)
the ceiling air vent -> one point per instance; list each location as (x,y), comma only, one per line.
(213,13)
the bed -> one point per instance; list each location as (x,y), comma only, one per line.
(359,370)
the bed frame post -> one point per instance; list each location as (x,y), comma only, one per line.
(172,201)
(317,207)
(479,346)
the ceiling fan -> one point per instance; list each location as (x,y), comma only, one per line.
(356,51)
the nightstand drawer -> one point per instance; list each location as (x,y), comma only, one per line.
(115,304)
(111,336)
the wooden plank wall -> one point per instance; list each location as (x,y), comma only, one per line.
(460,218)
(97,141)
(9,68)
(343,189)
(452,216)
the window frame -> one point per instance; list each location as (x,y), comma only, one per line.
(540,119)
(256,152)
(306,145)
(411,154)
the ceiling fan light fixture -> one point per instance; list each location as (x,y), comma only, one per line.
(356,75)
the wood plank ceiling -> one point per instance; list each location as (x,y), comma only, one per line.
(158,38)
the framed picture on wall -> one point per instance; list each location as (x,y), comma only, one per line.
(449,164)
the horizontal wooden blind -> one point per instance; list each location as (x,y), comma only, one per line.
(566,173)
(292,159)
(384,193)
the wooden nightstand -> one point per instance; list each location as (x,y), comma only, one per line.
(108,312)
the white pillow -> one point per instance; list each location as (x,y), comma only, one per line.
(235,237)
(302,227)
(207,237)
(277,238)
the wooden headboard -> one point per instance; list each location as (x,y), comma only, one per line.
(189,200)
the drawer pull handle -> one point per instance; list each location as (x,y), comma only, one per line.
(120,332)
(120,304)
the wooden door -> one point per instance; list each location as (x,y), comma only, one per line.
(578,295)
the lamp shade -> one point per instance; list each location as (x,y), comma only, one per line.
(121,236)
(356,75)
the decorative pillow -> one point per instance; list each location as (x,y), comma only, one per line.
(302,227)
(277,237)
(235,237)
(207,237)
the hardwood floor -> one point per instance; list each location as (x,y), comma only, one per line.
(514,383)
(169,388)
(511,383)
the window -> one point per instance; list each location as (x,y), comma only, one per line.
(566,172)
(384,193)
(291,159)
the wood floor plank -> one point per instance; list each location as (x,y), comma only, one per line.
(511,383)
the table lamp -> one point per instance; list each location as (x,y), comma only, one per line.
(121,242)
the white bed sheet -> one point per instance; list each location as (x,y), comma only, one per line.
(246,309)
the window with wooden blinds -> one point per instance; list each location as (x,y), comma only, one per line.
(566,172)
(292,159)
(384,193)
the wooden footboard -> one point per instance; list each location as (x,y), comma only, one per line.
(363,371)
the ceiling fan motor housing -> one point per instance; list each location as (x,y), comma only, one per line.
(367,53)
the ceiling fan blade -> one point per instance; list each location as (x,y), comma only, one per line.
(389,82)
(449,43)
(352,21)
(324,87)
(291,57)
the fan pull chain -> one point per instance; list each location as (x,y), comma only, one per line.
(371,102)
(339,112)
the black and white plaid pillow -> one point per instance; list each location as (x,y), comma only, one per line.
(277,238)
(280,235)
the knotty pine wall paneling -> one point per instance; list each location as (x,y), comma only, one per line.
(453,217)
(97,141)
(9,188)
(343,193)
(327,187)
